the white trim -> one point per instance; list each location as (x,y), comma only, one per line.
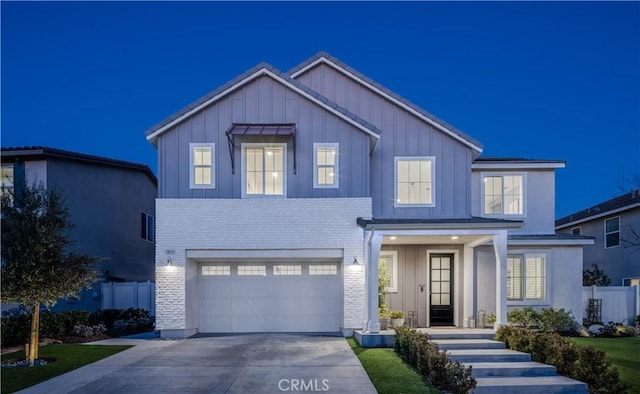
(261,72)
(243,169)
(604,223)
(336,165)
(548,272)
(516,166)
(432,159)
(525,199)
(192,183)
(265,255)
(598,216)
(394,269)
(433,123)
(457,289)
(550,242)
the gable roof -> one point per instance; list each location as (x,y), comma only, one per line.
(43,152)
(618,204)
(325,58)
(264,69)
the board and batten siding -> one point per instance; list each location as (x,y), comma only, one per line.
(263,101)
(403,134)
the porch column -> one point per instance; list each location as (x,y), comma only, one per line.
(500,249)
(374,245)
(469,285)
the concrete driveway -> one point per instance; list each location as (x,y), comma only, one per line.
(253,363)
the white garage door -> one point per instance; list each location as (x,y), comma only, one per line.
(269,297)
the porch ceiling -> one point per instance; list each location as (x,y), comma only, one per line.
(432,239)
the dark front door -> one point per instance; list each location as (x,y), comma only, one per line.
(441,285)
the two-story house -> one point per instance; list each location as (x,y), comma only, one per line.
(281,193)
(615,226)
(111,206)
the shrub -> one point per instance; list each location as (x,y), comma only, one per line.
(525,317)
(416,349)
(89,331)
(59,324)
(124,321)
(578,362)
(396,314)
(15,327)
(552,320)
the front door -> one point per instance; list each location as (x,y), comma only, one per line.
(441,286)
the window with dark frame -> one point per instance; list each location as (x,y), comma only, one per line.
(147,227)
(612,232)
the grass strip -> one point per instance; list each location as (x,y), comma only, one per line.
(387,371)
(67,358)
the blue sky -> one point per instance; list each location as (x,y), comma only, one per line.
(543,80)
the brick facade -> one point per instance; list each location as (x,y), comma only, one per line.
(205,224)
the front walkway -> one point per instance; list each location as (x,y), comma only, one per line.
(385,338)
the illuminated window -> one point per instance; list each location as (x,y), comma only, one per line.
(527,277)
(263,170)
(414,181)
(202,158)
(325,164)
(503,194)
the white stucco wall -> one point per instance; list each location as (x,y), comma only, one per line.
(539,199)
(208,224)
(564,271)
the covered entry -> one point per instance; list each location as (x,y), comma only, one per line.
(269,297)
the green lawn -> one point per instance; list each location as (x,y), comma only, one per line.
(388,372)
(68,357)
(624,353)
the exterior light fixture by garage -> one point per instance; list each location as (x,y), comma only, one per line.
(169,253)
(355,261)
(169,262)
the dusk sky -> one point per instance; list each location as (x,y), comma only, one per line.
(543,80)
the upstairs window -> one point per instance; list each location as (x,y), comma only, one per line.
(576,231)
(414,181)
(612,232)
(202,158)
(325,164)
(503,194)
(7,181)
(263,170)
(147,228)
(527,277)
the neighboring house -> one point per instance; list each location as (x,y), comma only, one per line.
(111,206)
(615,226)
(280,193)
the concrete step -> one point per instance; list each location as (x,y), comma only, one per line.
(523,368)
(484,334)
(451,344)
(487,355)
(530,385)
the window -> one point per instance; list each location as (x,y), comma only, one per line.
(325,164)
(414,181)
(612,232)
(202,157)
(527,277)
(388,265)
(576,231)
(503,194)
(216,270)
(146,227)
(252,270)
(287,270)
(263,170)
(324,269)
(630,281)
(7,181)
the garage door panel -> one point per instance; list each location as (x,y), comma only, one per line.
(269,297)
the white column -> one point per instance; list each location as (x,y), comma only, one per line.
(500,249)
(373,325)
(469,285)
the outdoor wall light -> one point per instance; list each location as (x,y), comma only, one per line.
(169,262)
(355,261)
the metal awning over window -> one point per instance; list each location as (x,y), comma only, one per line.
(281,129)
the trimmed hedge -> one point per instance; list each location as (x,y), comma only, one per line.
(415,349)
(16,326)
(582,363)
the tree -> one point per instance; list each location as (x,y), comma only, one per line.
(595,277)
(37,266)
